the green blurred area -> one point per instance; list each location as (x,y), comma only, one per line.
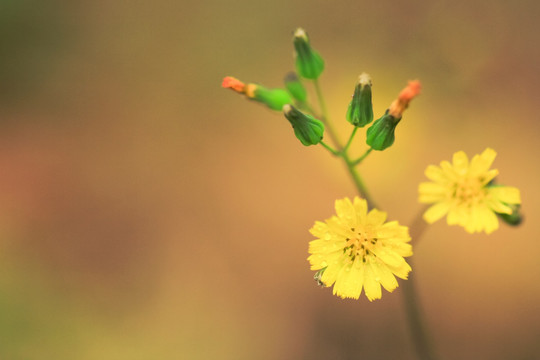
(147,213)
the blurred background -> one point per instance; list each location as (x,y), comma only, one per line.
(146,213)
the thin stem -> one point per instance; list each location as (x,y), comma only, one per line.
(418,329)
(325,119)
(350,139)
(357,179)
(329,148)
(361,158)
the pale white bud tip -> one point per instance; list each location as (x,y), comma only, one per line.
(287,108)
(300,33)
(364,79)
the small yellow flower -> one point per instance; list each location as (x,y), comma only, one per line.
(463,191)
(358,249)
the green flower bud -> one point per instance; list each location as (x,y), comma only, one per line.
(513,219)
(309,64)
(380,135)
(295,87)
(307,129)
(273,98)
(318,275)
(360,111)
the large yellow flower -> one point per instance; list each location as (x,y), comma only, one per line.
(463,191)
(358,249)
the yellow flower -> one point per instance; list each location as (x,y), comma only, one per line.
(358,249)
(463,191)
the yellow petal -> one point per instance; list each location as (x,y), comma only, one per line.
(432,192)
(345,211)
(360,206)
(319,230)
(371,285)
(506,194)
(498,207)
(384,276)
(341,286)
(388,256)
(325,246)
(491,222)
(432,188)
(436,212)
(318,261)
(401,248)
(376,217)
(339,229)
(448,170)
(435,173)
(458,216)
(392,230)
(461,162)
(349,282)
(481,163)
(488,176)
(331,273)
(401,272)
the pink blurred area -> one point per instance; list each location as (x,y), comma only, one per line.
(147,213)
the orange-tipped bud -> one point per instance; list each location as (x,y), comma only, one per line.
(234,84)
(404,98)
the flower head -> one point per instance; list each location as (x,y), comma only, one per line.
(356,249)
(464,191)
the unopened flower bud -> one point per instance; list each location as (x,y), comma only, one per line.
(513,219)
(380,135)
(404,98)
(307,129)
(295,87)
(318,277)
(360,111)
(309,64)
(233,83)
(273,98)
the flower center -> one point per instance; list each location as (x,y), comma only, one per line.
(469,191)
(359,245)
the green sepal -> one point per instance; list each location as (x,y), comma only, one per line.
(295,87)
(309,64)
(273,98)
(513,219)
(380,135)
(307,129)
(318,277)
(360,110)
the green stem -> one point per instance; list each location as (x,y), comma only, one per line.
(357,179)
(329,148)
(325,119)
(350,139)
(361,158)
(417,327)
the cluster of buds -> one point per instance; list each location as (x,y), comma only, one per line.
(293,99)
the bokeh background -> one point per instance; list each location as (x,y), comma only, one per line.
(146,213)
